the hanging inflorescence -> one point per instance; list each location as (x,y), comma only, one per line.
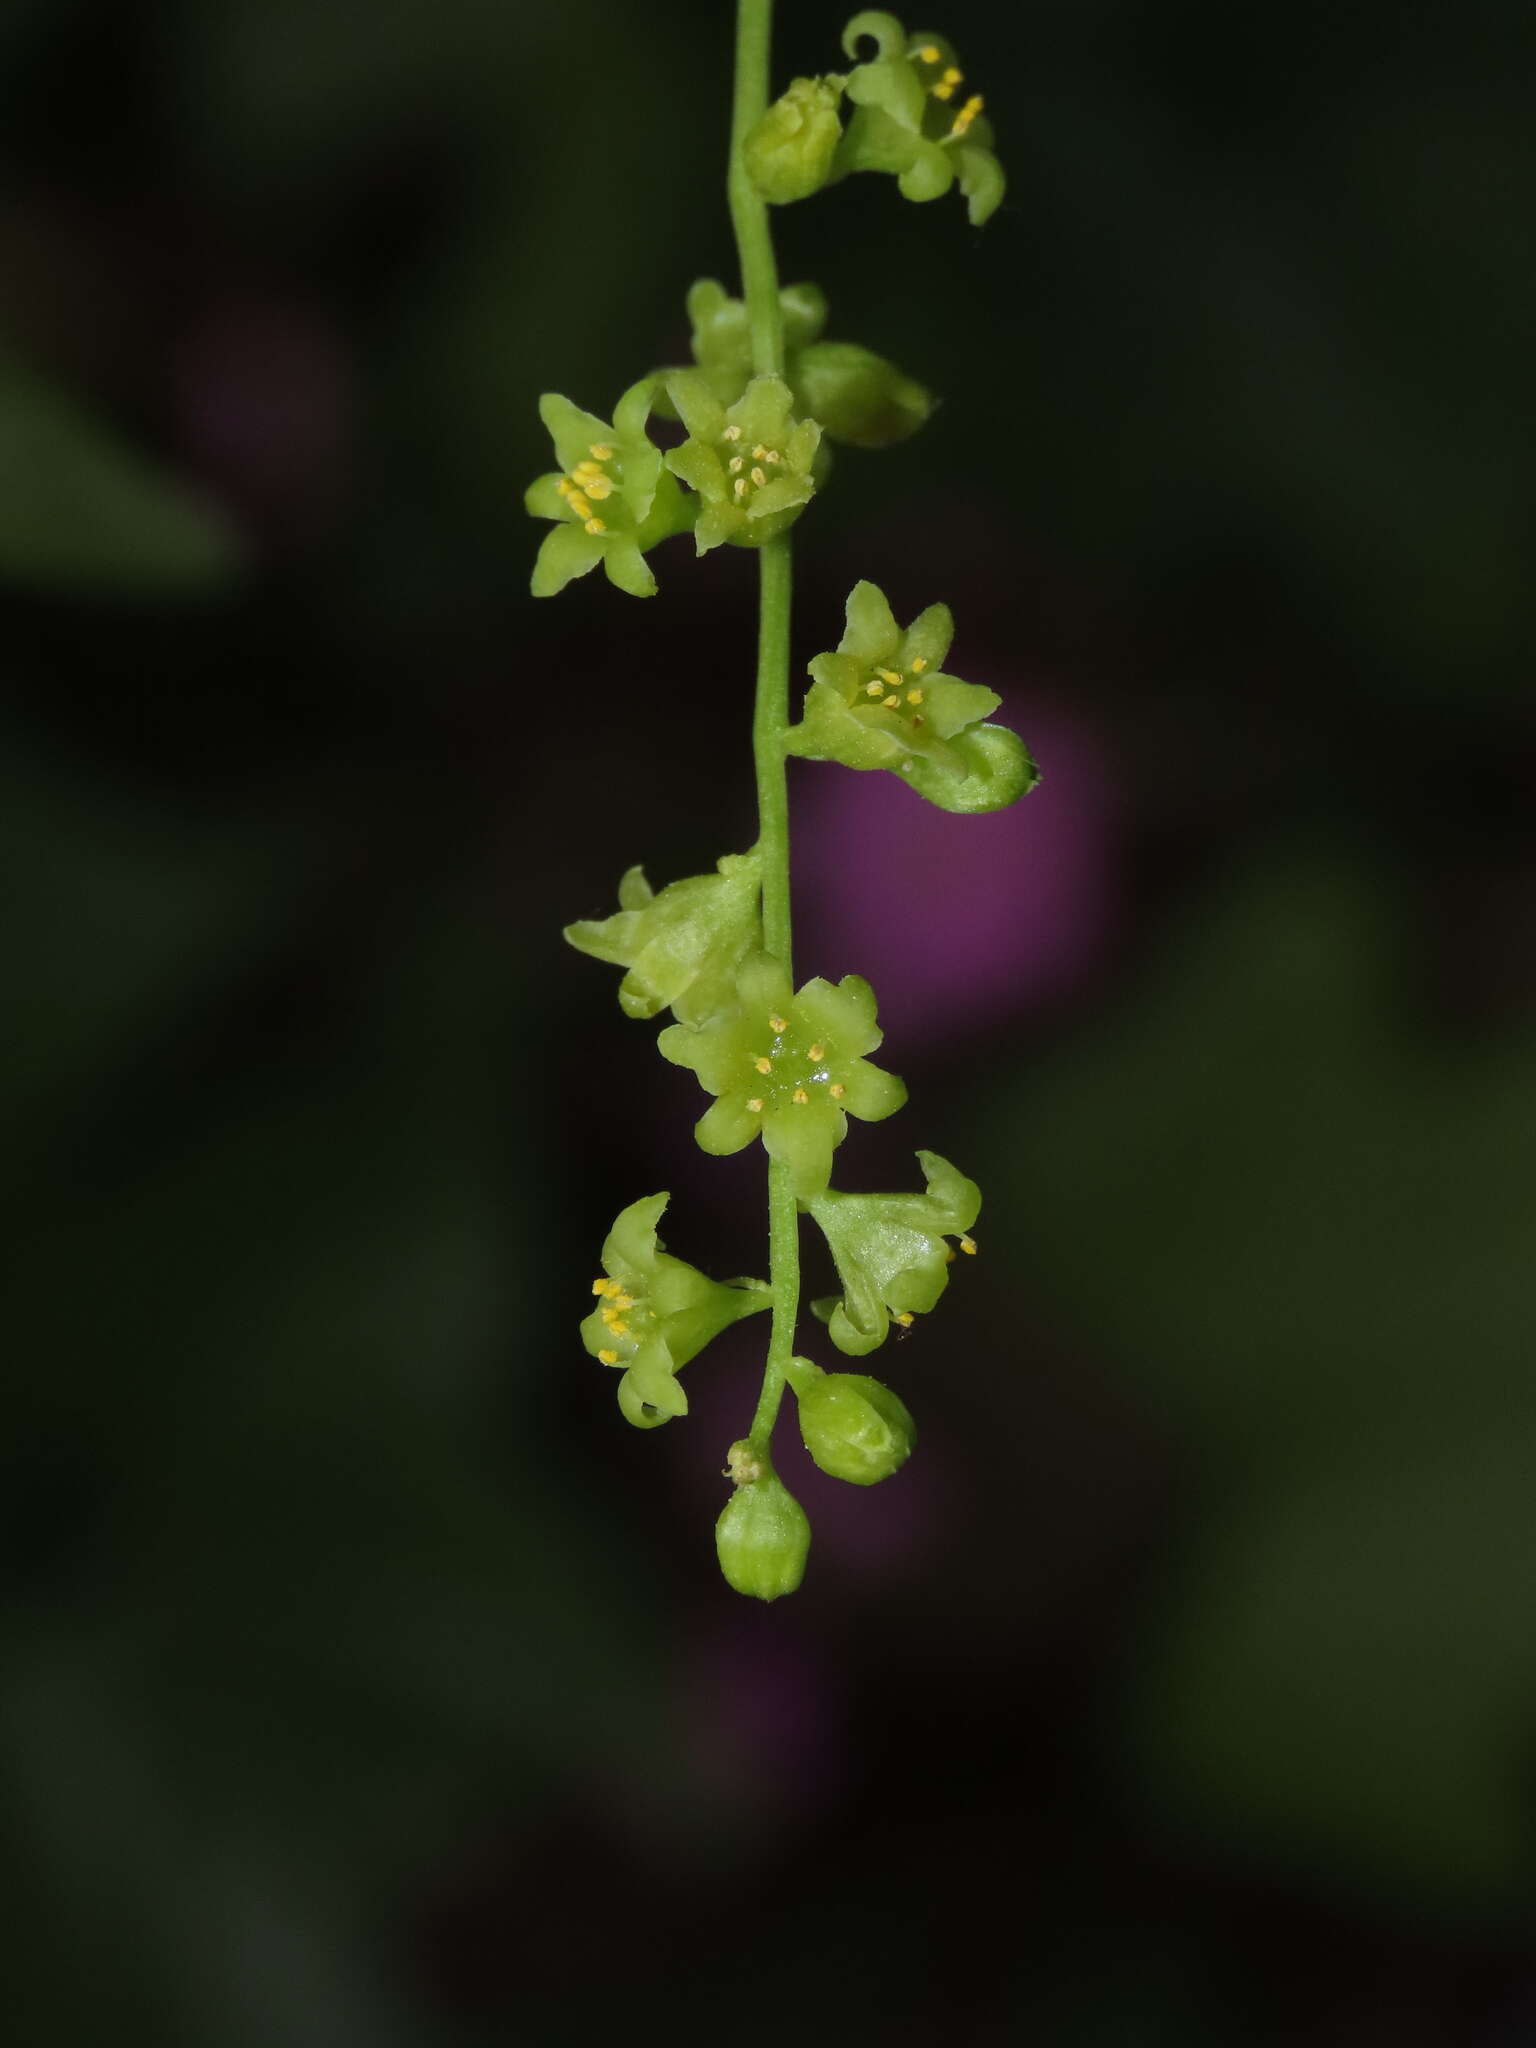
(784,1065)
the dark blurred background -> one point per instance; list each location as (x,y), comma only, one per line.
(367,1680)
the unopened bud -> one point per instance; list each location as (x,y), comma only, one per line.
(854,1428)
(857,396)
(788,152)
(762,1536)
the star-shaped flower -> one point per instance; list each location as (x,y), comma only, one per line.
(890,1252)
(654,1313)
(683,946)
(749,462)
(911,118)
(787,1068)
(611,495)
(883,701)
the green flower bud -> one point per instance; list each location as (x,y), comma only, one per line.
(854,1428)
(883,701)
(682,947)
(612,499)
(858,396)
(891,1252)
(749,462)
(788,152)
(787,1068)
(762,1536)
(912,118)
(654,1313)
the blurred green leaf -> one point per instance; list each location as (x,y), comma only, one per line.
(79,508)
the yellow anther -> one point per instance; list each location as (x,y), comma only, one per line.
(952,76)
(890,702)
(873,689)
(920,664)
(800,1096)
(623,1301)
(563,488)
(837,1091)
(905,1319)
(817,1052)
(580,505)
(763,1064)
(595,526)
(759,452)
(736,462)
(755,1104)
(943,92)
(619,1327)
(601,1286)
(732,433)
(914,696)
(599,487)
(778,1023)
(608,1357)
(741,487)
(889,675)
(611,1288)
(967,114)
(931,53)
(759,475)
(968,1244)
(601,450)
(587,467)
(773,455)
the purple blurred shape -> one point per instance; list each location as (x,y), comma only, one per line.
(957,920)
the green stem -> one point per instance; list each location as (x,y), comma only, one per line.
(760,288)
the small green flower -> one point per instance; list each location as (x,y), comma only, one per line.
(911,118)
(611,496)
(749,462)
(788,1069)
(788,152)
(853,395)
(762,1537)
(890,1252)
(854,1427)
(654,1313)
(883,701)
(682,947)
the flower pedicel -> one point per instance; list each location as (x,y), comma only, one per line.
(764,397)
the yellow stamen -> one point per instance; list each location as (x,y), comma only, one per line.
(608,1357)
(778,1023)
(888,675)
(967,114)
(755,1104)
(741,487)
(818,1052)
(800,1096)
(943,92)
(601,450)
(732,433)
(920,664)
(611,1288)
(968,1244)
(891,702)
(763,1065)
(623,1301)
(619,1327)
(600,487)
(759,476)
(579,504)
(952,76)
(737,462)
(773,455)
(905,1319)
(600,1286)
(873,689)
(914,696)
(837,1091)
(931,53)
(563,488)
(587,467)
(595,526)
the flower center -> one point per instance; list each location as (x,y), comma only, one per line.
(593,479)
(940,80)
(899,690)
(792,1070)
(620,1311)
(748,473)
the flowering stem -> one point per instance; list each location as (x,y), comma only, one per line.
(760,288)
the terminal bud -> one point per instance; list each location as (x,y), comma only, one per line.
(789,151)
(762,1536)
